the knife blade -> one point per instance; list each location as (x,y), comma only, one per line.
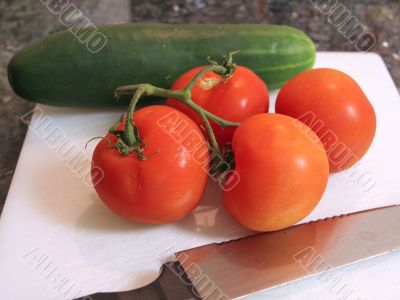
(248,265)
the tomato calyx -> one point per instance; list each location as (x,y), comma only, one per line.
(138,145)
(227,62)
(224,162)
(129,138)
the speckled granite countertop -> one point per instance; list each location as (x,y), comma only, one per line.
(23,21)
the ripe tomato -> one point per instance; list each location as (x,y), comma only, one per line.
(283,171)
(241,96)
(335,107)
(164,187)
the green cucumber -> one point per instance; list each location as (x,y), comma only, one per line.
(60,70)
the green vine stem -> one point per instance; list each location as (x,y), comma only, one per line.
(129,140)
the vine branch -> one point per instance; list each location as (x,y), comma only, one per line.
(130,140)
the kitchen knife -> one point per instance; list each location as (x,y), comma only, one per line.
(245,266)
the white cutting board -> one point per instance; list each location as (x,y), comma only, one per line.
(57,240)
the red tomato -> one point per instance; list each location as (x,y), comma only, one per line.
(170,183)
(283,170)
(241,96)
(335,107)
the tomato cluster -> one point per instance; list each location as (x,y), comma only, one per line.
(323,123)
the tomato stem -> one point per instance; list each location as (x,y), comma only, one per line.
(130,141)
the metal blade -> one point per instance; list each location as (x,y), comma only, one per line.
(245,266)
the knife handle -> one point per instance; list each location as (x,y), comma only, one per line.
(172,284)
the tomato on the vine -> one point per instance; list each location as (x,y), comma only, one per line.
(168,183)
(283,170)
(334,106)
(234,99)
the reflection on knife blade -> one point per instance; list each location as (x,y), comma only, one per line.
(242,267)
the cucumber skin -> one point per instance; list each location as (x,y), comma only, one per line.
(59,70)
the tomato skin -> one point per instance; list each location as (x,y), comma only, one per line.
(241,96)
(163,188)
(335,107)
(283,172)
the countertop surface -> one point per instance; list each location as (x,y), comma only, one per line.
(24,21)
